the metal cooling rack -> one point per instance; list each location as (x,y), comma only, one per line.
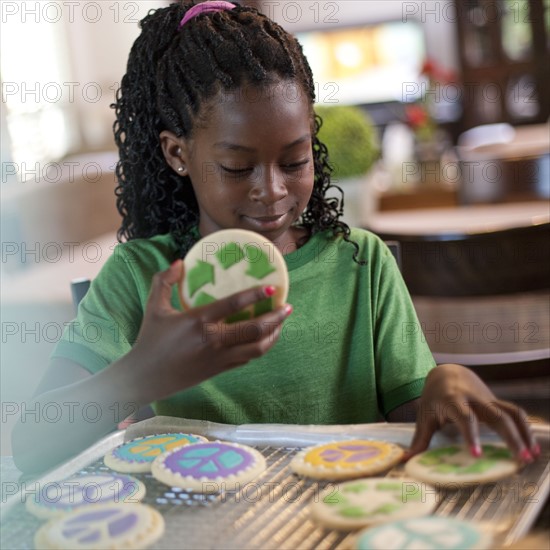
(272,511)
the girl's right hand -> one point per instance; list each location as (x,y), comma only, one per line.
(175,350)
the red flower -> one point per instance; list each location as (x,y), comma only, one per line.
(436,73)
(416,115)
(428,68)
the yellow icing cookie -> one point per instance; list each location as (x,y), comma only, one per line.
(346,459)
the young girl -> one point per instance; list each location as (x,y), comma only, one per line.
(216,129)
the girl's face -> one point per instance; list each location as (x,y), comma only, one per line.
(251,163)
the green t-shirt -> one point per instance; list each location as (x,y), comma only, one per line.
(351,349)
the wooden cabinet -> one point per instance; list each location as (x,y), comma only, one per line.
(504,47)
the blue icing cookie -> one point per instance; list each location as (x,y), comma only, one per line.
(137,455)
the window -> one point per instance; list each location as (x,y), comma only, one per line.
(36,92)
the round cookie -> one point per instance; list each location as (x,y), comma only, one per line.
(138,455)
(346,459)
(59,498)
(453,465)
(209,467)
(114,526)
(427,533)
(229,261)
(356,504)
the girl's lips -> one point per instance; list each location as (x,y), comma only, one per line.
(268,218)
(266,222)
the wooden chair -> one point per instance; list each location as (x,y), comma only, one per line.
(79,287)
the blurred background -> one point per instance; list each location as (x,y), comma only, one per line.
(447,103)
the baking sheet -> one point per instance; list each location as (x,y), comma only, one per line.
(272,511)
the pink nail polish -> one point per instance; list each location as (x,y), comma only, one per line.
(475,450)
(535,450)
(269,290)
(288,309)
(526,456)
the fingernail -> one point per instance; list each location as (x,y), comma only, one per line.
(269,290)
(475,450)
(535,450)
(288,309)
(174,263)
(526,456)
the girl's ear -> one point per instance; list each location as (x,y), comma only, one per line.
(175,152)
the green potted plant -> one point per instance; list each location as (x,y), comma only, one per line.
(353,147)
(351,139)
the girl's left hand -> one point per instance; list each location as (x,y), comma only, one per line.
(455,394)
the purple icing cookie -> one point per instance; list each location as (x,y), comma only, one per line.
(103,526)
(209,467)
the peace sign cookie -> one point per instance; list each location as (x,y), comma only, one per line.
(229,261)
(362,502)
(114,526)
(209,467)
(74,493)
(346,459)
(138,455)
(454,465)
(428,533)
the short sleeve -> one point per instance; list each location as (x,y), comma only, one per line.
(402,356)
(108,318)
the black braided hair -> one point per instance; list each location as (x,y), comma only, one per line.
(170,74)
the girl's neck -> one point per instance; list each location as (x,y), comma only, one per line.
(299,236)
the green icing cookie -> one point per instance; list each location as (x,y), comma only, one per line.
(229,261)
(363,502)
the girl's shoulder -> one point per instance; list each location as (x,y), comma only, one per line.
(370,245)
(144,255)
(163,245)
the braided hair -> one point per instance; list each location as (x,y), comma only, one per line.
(170,74)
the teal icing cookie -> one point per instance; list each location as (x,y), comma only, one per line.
(427,533)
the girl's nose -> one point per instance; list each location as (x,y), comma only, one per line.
(270,186)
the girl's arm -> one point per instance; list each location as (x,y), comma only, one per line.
(454,394)
(174,351)
(86,408)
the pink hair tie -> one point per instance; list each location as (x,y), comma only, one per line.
(205,7)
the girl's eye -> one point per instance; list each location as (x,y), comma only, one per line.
(235,171)
(296,165)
